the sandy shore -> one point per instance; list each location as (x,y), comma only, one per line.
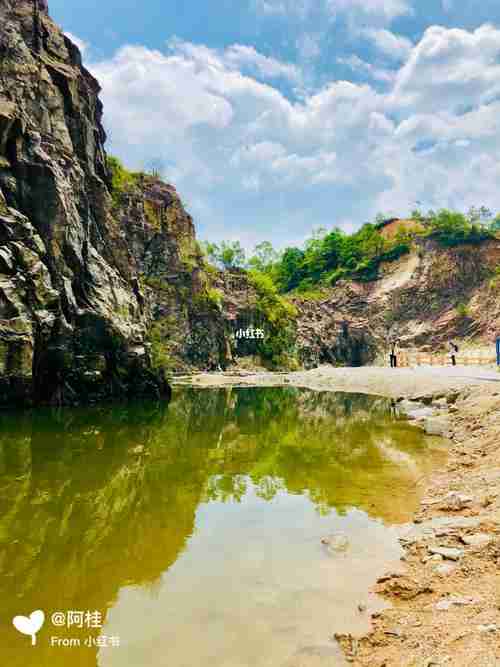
(445,599)
(394,383)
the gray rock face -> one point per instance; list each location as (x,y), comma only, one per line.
(71,317)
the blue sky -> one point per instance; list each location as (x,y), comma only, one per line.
(275,117)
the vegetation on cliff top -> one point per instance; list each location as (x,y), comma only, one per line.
(328,257)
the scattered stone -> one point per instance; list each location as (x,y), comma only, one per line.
(388,576)
(336,543)
(437,426)
(405,588)
(455,501)
(393,632)
(488,628)
(445,569)
(477,540)
(448,553)
(448,603)
(435,558)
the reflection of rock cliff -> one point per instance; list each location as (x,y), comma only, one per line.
(88,505)
(97,499)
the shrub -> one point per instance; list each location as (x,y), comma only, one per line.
(121,180)
(278,316)
(450,229)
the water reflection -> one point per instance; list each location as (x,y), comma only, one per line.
(96,503)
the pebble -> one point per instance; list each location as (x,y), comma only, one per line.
(448,603)
(335,543)
(477,540)
(456,501)
(445,569)
(435,558)
(448,553)
(487,628)
(437,426)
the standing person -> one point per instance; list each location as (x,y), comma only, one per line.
(453,352)
(394,357)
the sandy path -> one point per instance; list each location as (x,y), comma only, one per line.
(394,383)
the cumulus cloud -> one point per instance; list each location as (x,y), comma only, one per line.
(253,163)
(241,56)
(386,9)
(379,10)
(391,45)
(357,64)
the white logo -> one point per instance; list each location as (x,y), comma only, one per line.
(30,625)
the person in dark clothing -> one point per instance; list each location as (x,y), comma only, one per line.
(394,356)
(453,353)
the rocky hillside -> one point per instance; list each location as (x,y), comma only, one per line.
(424,299)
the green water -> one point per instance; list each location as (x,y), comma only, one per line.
(195,528)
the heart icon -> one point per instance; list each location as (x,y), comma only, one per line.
(30,625)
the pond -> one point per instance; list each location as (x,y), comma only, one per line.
(194,532)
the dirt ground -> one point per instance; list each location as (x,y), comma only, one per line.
(445,599)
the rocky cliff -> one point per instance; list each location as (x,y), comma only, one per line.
(73,321)
(425,299)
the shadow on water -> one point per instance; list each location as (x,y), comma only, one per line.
(96,502)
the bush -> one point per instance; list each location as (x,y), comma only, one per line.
(450,229)
(278,316)
(495,281)
(121,180)
(210,298)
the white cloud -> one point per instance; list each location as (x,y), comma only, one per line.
(394,46)
(378,10)
(240,56)
(451,69)
(384,9)
(81,44)
(357,64)
(252,163)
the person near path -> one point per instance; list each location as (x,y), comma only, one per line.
(453,353)
(394,356)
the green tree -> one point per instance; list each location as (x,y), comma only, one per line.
(264,257)
(231,254)
(291,270)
